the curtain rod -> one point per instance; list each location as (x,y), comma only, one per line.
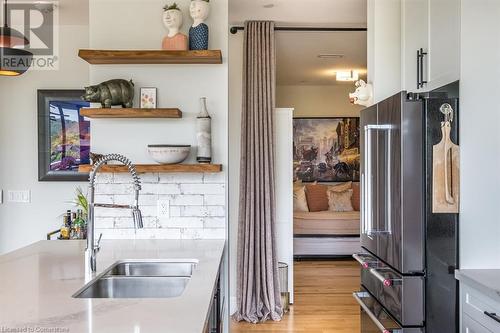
(235,29)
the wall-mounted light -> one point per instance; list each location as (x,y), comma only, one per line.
(347,76)
(14,60)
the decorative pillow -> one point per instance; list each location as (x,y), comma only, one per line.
(340,201)
(299,199)
(317,199)
(340,187)
(356,197)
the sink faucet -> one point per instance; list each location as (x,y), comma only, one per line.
(92,248)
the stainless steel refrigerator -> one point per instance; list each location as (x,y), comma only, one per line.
(408,253)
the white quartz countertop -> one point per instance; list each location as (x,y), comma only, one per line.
(37,283)
(487,281)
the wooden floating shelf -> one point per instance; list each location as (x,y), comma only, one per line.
(150,57)
(130,113)
(158,168)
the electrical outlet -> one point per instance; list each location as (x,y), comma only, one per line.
(163,209)
(19,196)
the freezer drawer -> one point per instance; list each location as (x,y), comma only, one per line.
(374,319)
(402,296)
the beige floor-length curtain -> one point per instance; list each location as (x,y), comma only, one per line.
(258,286)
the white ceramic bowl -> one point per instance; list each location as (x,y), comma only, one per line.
(169,154)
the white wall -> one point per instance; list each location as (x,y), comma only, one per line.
(318,101)
(235,100)
(479,134)
(194,213)
(22,224)
(114,24)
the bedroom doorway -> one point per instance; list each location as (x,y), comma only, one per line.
(308,64)
(316,71)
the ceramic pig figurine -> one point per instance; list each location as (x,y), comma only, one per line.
(112,92)
(363,94)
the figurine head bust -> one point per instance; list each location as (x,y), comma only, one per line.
(172,19)
(363,95)
(199,10)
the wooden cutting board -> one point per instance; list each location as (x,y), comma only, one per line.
(446,174)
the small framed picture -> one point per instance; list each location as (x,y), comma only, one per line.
(148,98)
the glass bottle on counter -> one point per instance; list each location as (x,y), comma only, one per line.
(65,229)
(78,226)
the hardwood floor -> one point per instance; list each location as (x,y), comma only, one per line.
(323,300)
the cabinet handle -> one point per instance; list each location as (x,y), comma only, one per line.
(493,316)
(420,68)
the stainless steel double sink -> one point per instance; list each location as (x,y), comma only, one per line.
(140,279)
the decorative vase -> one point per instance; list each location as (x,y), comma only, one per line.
(172,20)
(204,134)
(198,33)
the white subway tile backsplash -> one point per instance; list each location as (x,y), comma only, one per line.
(114,188)
(214,200)
(218,178)
(184,200)
(181,222)
(104,222)
(181,178)
(111,212)
(168,189)
(215,211)
(215,222)
(175,211)
(202,233)
(144,199)
(104,178)
(197,206)
(104,198)
(202,188)
(120,178)
(149,189)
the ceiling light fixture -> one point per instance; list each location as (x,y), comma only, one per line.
(330,56)
(269,5)
(347,76)
(14,60)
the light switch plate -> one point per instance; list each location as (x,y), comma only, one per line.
(163,209)
(19,196)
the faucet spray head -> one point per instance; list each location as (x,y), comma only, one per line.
(137,216)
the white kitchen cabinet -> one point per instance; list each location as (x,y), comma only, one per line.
(434,27)
(469,325)
(415,29)
(384,47)
(479,312)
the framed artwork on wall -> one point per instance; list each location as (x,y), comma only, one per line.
(326,149)
(148,98)
(63,135)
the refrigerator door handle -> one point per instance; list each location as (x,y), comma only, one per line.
(388,181)
(370,314)
(367,196)
(367,184)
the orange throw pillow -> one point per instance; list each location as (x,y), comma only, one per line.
(356,197)
(317,199)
